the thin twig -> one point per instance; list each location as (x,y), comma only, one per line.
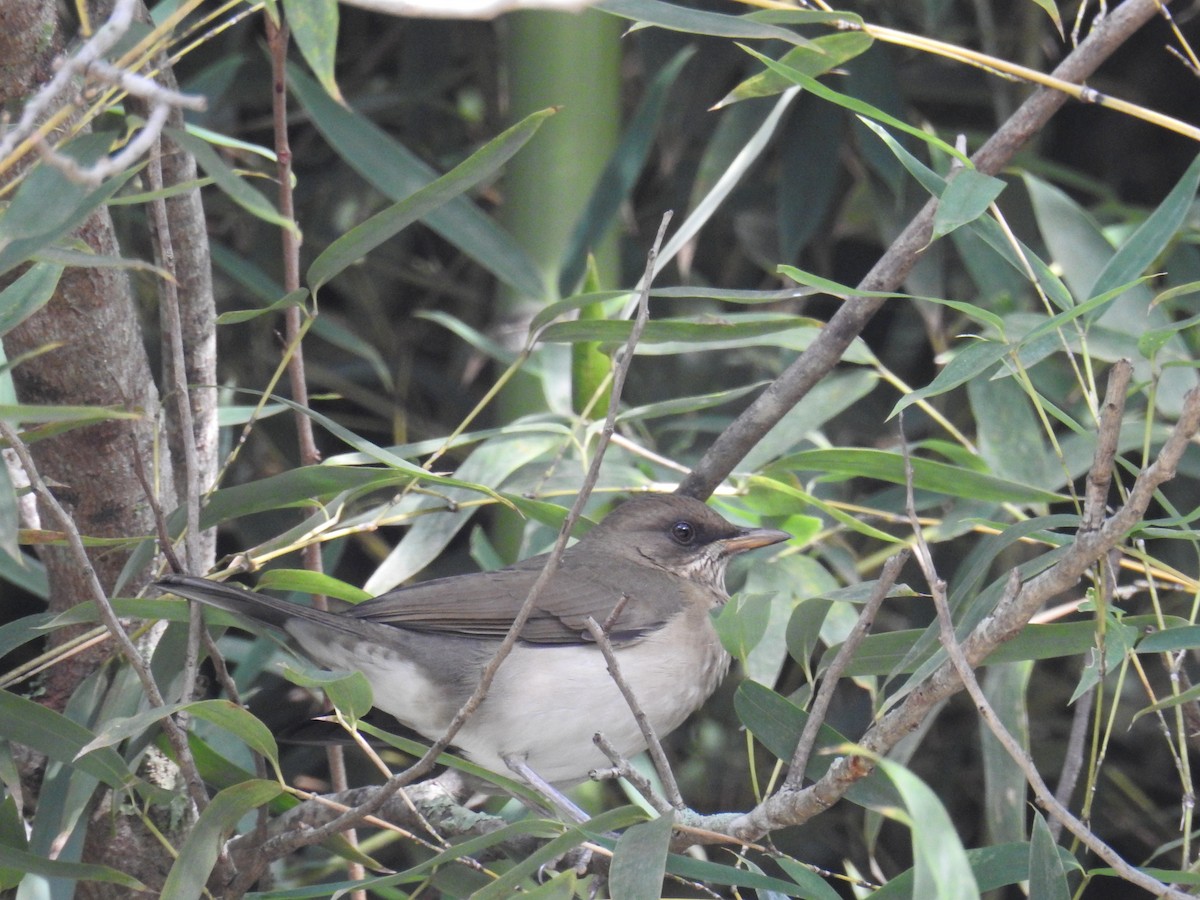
(286,843)
(108,616)
(622,768)
(653,744)
(820,704)
(1099,479)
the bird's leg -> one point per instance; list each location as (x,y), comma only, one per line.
(557,797)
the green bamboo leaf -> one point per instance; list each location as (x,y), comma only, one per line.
(472,336)
(505,886)
(813,86)
(10,519)
(639,861)
(305,484)
(967,196)
(986,229)
(53,734)
(222,713)
(1169,640)
(32,414)
(975,360)
(715,335)
(709,872)
(47,200)
(786,489)
(941,870)
(28,294)
(349,692)
(812,885)
(199,852)
(490,463)
(694,21)
(48,205)
(930,475)
(237,316)
(314,24)
(1047,875)
(308,582)
(1151,237)
(235,187)
(683,405)
(25,863)
(826,52)
(368,235)
(777,724)
(742,622)
(994,867)
(396,172)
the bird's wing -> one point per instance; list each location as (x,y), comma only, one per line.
(485,604)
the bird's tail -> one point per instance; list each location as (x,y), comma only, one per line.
(247,604)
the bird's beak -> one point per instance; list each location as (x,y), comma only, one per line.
(752,538)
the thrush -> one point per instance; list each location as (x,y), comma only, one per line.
(423,648)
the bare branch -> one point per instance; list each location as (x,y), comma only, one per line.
(600,636)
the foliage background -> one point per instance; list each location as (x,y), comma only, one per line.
(405,345)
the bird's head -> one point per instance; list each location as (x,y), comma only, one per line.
(679,534)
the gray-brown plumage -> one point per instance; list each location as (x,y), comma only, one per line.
(423,647)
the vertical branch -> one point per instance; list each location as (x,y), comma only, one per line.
(172,327)
(277,40)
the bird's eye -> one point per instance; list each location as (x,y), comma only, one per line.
(683,532)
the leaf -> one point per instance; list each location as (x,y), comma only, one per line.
(968,195)
(939,477)
(314,24)
(368,235)
(308,582)
(972,361)
(694,21)
(1151,237)
(222,713)
(27,863)
(640,860)
(813,86)
(235,187)
(238,316)
(742,622)
(994,867)
(490,463)
(199,852)
(350,692)
(396,172)
(53,734)
(27,294)
(1047,875)
(825,52)
(941,870)
(48,205)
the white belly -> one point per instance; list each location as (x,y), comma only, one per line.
(547,701)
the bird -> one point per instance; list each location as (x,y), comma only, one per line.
(657,560)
